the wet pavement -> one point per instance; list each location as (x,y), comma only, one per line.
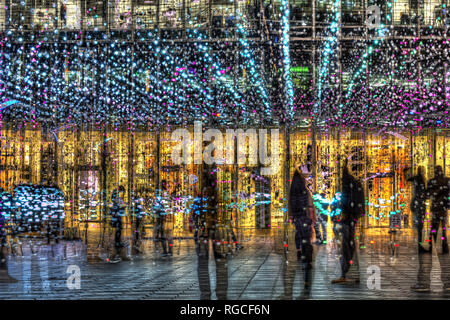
(263,269)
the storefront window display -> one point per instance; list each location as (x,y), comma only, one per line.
(90,164)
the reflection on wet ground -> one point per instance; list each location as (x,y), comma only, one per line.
(262,269)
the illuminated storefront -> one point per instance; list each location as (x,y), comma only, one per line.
(88,164)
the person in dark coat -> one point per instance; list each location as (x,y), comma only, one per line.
(302,214)
(438,189)
(138,214)
(118,211)
(210,228)
(352,208)
(418,204)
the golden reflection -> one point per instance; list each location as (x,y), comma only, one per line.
(87,165)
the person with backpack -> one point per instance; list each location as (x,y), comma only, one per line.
(352,208)
(302,213)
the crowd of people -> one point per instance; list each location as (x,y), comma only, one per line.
(437,189)
(309,212)
(159,209)
(30,208)
(201,209)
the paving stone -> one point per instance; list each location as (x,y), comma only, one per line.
(256,272)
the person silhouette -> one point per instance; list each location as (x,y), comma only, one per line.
(417,204)
(288,271)
(302,213)
(321,205)
(438,190)
(162,210)
(5,213)
(118,211)
(210,228)
(138,214)
(289,265)
(352,208)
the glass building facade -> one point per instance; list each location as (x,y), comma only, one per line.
(361,66)
(87,170)
(65,60)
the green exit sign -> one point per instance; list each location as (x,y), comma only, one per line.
(299,69)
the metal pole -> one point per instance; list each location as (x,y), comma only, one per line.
(314,159)
(158,157)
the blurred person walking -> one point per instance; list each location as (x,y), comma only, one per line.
(302,213)
(161,210)
(438,189)
(210,229)
(138,215)
(417,204)
(352,208)
(118,212)
(321,204)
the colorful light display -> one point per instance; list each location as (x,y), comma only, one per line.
(59,75)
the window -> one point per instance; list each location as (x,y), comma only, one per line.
(145,14)
(196,13)
(171,13)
